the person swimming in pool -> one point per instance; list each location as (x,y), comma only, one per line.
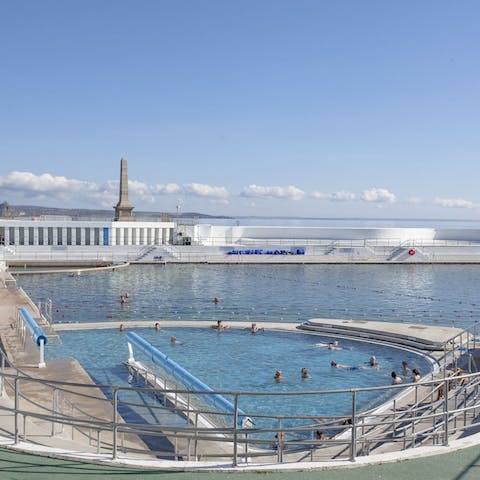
(373,362)
(396,379)
(278,376)
(304,373)
(220,326)
(335,364)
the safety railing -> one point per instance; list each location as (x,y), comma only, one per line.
(167,422)
(156,417)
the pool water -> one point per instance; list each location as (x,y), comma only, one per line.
(236,360)
(427,294)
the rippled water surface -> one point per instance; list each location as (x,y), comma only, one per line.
(427,294)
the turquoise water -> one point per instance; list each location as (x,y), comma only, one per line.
(236,360)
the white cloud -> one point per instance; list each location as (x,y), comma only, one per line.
(378,195)
(320,195)
(44,183)
(46,186)
(453,203)
(202,190)
(341,196)
(290,192)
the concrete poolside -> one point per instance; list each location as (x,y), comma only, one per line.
(459,465)
(326,252)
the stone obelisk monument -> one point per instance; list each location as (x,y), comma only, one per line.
(123,209)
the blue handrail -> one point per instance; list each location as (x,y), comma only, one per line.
(182,375)
(35,330)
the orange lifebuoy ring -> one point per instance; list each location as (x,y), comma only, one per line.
(412,251)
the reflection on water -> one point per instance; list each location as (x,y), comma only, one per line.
(427,294)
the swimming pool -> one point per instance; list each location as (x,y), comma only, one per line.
(236,360)
(427,294)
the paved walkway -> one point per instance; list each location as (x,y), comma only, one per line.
(460,465)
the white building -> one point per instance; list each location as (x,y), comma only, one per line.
(48,232)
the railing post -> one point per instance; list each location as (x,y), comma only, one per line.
(2,380)
(279,442)
(195,444)
(17,397)
(114,424)
(54,409)
(445,413)
(353,449)
(235,431)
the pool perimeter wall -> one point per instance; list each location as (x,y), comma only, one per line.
(203,243)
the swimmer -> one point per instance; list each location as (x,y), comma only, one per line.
(121,327)
(173,339)
(122,299)
(415,375)
(405,368)
(396,379)
(278,376)
(334,346)
(254,329)
(216,300)
(334,364)
(304,373)
(219,326)
(156,326)
(373,361)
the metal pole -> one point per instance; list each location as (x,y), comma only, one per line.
(353,450)
(17,394)
(2,380)
(114,420)
(195,444)
(280,441)
(54,409)
(41,363)
(235,432)
(445,413)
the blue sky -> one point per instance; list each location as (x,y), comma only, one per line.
(247,107)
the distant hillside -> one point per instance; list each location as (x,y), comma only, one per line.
(11,211)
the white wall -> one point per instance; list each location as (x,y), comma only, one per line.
(221,235)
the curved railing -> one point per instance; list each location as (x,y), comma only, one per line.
(154,418)
(166,422)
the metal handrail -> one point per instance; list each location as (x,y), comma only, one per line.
(421,421)
(237,436)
